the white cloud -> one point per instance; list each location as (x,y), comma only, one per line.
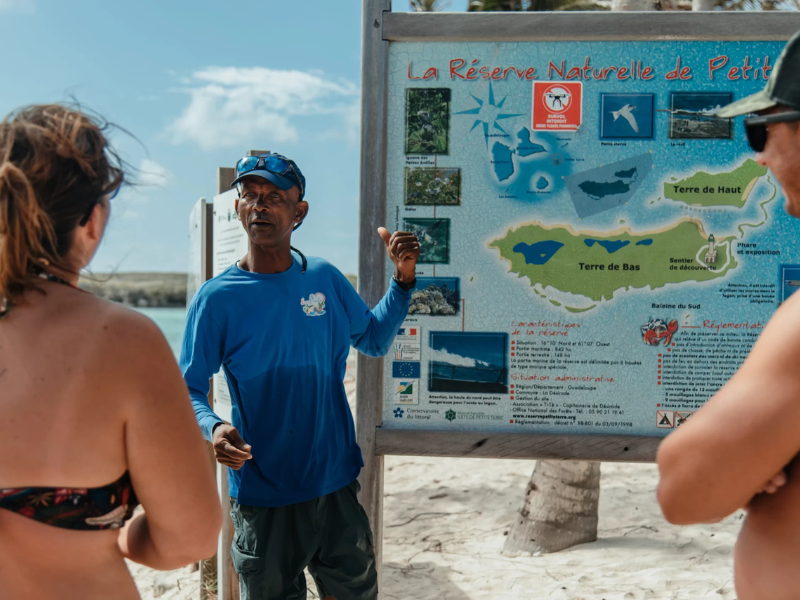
(230,105)
(443,356)
(149,175)
(350,127)
(152,174)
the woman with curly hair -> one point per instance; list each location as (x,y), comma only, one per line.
(94,415)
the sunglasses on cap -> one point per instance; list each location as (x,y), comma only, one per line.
(88,214)
(756,127)
(274,164)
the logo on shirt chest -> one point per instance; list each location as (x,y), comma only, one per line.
(315,305)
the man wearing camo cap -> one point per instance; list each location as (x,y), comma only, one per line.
(741,449)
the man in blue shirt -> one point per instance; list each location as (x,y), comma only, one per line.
(280,326)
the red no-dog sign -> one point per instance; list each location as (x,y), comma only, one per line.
(557,105)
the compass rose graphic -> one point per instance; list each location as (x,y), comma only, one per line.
(487,113)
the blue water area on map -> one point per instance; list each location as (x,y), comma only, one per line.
(644,242)
(502,161)
(526,147)
(538,253)
(607,187)
(542,183)
(611,246)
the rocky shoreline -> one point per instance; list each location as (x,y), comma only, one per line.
(138,289)
(162,290)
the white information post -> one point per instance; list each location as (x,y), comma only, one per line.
(230,244)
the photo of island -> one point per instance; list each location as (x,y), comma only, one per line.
(432,186)
(468,362)
(435,296)
(427,121)
(434,239)
(691,115)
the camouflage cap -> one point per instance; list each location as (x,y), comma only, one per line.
(783,87)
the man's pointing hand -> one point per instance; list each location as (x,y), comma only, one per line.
(229,447)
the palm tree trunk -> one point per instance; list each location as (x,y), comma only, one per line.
(560,508)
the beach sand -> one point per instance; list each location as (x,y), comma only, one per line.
(444,526)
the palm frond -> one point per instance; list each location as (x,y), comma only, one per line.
(429,5)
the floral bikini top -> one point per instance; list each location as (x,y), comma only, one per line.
(106,507)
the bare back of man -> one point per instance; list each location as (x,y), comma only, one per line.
(769,545)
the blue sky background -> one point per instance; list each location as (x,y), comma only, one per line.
(200,83)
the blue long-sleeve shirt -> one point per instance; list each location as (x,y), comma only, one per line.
(282,341)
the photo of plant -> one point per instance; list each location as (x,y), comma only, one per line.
(432,186)
(427,120)
(434,239)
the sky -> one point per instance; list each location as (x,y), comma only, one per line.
(199,84)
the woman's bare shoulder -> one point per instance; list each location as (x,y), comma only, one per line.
(122,333)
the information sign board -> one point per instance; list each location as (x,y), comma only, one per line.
(599,251)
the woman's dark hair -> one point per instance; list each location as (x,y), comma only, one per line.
(55,166)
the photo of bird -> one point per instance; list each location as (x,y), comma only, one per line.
(637,112)
(626,112)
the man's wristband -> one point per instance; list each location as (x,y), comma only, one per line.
(214,428)
(405,286)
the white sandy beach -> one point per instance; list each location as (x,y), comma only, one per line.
(445,520)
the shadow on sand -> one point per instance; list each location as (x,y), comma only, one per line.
(419,580)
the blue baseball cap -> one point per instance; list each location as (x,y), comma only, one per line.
(278,169)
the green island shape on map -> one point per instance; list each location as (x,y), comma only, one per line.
(680,244)
(731,188)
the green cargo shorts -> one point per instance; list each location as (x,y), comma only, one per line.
(329,535)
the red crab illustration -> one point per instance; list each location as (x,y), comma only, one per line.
(657,330)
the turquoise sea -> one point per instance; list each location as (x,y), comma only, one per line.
(171,322)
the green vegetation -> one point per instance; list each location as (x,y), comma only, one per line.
(583,266)
(427,120)
(431,186)
(721,189)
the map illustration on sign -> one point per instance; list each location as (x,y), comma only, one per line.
(597,248)
(608,186)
